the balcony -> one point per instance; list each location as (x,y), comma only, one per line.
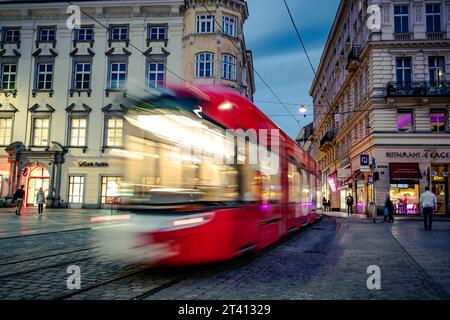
(435,35)
(418,89)
(327,141)
(403,36)
(353,60)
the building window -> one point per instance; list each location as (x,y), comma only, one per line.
(47,34)
(433,12)
(82,76)
(5,131)
(405,120)
(110,189)
(404,70)
(155,74)
(118,75)
(78,129)
(229,26)
(114,132)
(401,18)
(438,120)
(44,77)
(157,32)
(205,23)
(437,70)
(76,189)
(11,35)
(41,131)
(228,67)
(84,34)
(119,33)
(8,74)
(204,65)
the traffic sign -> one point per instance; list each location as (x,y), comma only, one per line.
(364,163)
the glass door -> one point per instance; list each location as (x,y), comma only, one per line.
(439,189)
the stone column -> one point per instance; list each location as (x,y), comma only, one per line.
(50,195)
(13,178)
(58,180)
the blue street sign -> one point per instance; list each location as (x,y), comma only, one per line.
(365,160)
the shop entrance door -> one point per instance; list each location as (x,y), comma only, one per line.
(440,190)
(38,178)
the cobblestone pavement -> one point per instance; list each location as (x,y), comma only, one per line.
(328,260)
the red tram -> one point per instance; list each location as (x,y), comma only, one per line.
(192,171)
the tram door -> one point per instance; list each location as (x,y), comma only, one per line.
(39,178)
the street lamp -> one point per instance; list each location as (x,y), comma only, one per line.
(303,110)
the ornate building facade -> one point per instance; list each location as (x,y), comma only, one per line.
(61,125)
(382,96)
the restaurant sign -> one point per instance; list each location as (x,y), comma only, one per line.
(426,154)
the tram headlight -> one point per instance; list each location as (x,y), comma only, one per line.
(191,221)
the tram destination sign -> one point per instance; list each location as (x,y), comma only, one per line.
(92,164)
(426,154)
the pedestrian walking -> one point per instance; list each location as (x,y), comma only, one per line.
(388,210)
(324,204)
(329,205)
(18,199)
(428,202)
(349,200)
(40,198)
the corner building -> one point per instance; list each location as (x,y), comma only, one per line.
(61,122)
(384,94)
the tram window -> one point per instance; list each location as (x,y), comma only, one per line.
(250,176)
(294,184)
(271,184)
(164,171)
(306,189)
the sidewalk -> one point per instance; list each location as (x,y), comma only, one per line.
(344,214)
(53,220)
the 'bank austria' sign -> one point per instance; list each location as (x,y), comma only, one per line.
(426,154)
(87,164)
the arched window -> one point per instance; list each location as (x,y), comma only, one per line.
(204,67)
(228,67)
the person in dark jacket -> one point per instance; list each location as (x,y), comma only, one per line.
(389,207)
(18,199)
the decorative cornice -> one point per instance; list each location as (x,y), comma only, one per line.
(40,108)
(37,52)
(109,52)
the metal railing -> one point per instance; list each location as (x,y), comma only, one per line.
(418,89)
(435,35)
(403,36)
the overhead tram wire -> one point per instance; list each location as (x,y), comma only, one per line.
(257,73)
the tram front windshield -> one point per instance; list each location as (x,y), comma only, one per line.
(175,157)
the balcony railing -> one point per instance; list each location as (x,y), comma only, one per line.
(353,60)
(418,89)
(403,36)
(435,35)
(327,139)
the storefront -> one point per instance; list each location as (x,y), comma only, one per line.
(406,172)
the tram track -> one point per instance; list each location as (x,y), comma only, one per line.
(185,275)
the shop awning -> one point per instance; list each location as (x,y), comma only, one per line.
(405,171)
(350,179)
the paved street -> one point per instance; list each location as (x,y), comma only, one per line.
(325,261)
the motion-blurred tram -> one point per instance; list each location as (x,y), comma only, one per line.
(214,175)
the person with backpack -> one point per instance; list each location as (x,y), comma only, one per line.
(18,199)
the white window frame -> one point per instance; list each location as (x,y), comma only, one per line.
(9,75)
(401,16)
(206,20)
(41,129)
(104,187)
(76,189)
(434,69)
(157,83)
(84,74)
(117,84)
(15,33)
(202,60)
(45,34)
(161,32)
(78,33)
(404,69)
(115,140)
(6,127)
(433,15)
(229,67)
(47,84)
(75,137)
(122,30)
(229,25)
